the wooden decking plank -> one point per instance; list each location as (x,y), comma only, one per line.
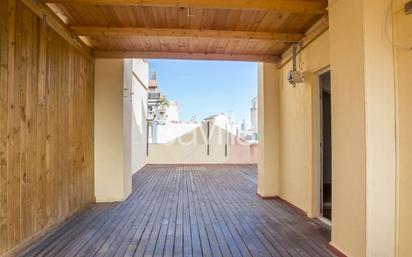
(255,246)
(204,239)
(178,239)
(158,224)
(49,241)
(140,194)
(212,238)
(77,231)
(279,250)
(161,241)
(258,219)
(229,219)
(67,236)
(188,210)
(89,230)
(117,243)
(82,243)
(194,228)
(150,235)
(135,232)
(171,228)
(114,227)
(286,227)
(221,229)
(256,232)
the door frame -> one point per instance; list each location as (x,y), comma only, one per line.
(319,146)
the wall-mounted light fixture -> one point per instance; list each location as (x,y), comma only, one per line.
(295,76)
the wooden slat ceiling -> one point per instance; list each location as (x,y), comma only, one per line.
(234,30)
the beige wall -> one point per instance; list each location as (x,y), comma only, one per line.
(268,149)
(112,181)
(403,39)
(348,128)
(120,130)
(363,128)
(380,132)
(299,128)
(288,157)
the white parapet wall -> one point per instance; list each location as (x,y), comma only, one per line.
(193,147)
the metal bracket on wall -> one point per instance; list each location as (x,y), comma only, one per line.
(408,7)
(208,138)
(44,21)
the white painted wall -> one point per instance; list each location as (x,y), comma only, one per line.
(140,83)
(172,111)
(224,122)
(127,123)
(254,115)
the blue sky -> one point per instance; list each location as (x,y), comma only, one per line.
(204,88)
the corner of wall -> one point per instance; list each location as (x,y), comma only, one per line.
(268,148)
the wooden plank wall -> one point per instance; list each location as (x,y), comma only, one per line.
(46,127)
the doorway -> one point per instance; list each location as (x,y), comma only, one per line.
(325,127)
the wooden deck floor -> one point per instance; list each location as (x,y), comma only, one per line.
(188,211)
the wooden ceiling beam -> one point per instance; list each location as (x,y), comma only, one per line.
(50,18)
(295,6)
(186,56)
(192,33)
